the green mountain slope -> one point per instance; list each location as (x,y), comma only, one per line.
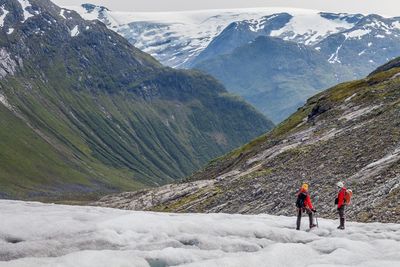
(84,112)
(350,132)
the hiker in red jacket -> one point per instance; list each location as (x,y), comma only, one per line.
(340,200)
(304,204)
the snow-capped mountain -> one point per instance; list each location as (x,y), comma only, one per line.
(372,41)
(254,71)
(177,38)
(182,39)
(353,44)
(92,236)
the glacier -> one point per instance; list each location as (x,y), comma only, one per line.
(177,38)
(36,234)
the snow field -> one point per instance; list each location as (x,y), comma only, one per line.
(193,31)
(35,234)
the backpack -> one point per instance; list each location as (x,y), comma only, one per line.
(301,198)
(347,196)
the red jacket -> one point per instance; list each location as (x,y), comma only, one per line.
(341,195)
(307,201)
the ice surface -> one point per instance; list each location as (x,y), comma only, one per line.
(34,234)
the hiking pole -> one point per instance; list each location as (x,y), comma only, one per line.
(316,219)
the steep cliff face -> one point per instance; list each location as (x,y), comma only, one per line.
(82,111)
(350,132)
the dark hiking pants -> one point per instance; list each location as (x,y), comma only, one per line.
(341,212)
(300,213)
(342,216)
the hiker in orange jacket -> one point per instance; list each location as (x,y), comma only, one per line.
(304,204)
(340,200)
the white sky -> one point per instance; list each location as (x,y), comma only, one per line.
(383,7)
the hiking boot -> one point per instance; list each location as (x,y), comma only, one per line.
(312,226)
(341,226)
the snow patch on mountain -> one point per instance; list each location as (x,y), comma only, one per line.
(7,64)
(93,12)
(4,101)
(26,5)
(62,13)
(59,235)
(376,28)
(376,24)
(75,31)
(357,33)
(334,58)
(310,28)
(3,16)
(362,52)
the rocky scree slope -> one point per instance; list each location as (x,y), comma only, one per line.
(350,132)
(82,111)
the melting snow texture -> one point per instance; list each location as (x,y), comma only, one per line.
(34,234)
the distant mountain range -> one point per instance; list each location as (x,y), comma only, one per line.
(274,75)
(84,112)
(353,44)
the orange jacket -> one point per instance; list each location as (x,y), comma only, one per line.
(307,201)
(341,195)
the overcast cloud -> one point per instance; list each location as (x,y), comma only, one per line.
(383,7)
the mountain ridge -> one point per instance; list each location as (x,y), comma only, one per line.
(276,76)
(353,44)
(199,28)
(86,113)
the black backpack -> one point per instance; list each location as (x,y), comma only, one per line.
(301,198)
